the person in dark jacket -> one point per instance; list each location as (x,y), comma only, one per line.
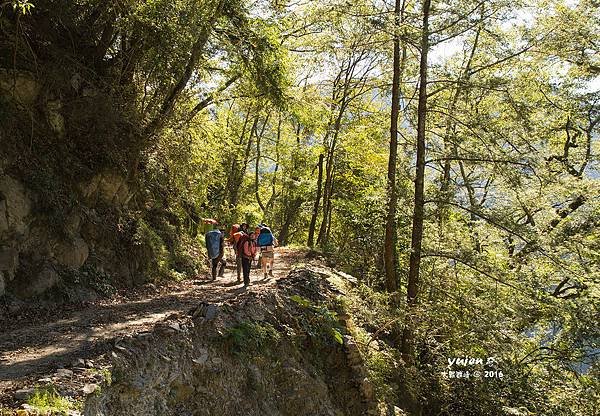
(215,245)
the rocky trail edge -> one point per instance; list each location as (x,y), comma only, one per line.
(41,344)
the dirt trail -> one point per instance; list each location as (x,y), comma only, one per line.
(36,345)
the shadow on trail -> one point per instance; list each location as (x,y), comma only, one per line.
(41,345)
(44,364)
(231,284)
(263,280)
(38,348)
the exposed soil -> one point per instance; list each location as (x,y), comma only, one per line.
(36,342)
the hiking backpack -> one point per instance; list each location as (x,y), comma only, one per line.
(265,238)
(247,247)
(213,243)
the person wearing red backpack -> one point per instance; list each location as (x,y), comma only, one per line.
(246,249)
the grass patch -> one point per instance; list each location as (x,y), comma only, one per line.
(48,401)
(104,373)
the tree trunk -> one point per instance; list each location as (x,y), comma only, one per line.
(257,166)
(391,278)
(233,168)
(450,148)
(329,214)
(315,214)
(326,205)
(419,208)
(210,98)
(238,176)
(328,189)
(291,212)
(197,50)
(274,194)
(257,176)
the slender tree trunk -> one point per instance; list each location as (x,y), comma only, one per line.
(241,170)
(257,165)
(326,202)
(450,150)
(315,214)
(291,212)
(131,48)
(210,98)
(389,257)
(274,193)
(328,189)
(234,160)
(329,214)
(256,175)
(106,40)
(419,208)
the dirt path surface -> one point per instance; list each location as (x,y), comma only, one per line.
(37,342)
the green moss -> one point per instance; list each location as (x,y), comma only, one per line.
(107,375)
(89,275)
(384,373)
(383,363)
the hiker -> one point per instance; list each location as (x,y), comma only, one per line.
(234,237)
(246,248)
(266,242)
(215,245)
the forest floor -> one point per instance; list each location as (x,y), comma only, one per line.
(42,344)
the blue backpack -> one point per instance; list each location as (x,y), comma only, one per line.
(213,243)
(265,238)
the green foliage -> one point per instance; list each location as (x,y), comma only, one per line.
(301,301)
(22,6)
(107,376)
(318,322)
(48,401)
(153,248)
(374,310)
(376,323)
(105,373)
(250,338)
(384,373)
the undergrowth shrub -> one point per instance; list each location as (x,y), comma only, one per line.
(319,323)
(249,338)
(153,250)
(89,275)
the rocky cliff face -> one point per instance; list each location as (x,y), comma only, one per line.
(35,249)
(67,214)
(274,352)
(34,252)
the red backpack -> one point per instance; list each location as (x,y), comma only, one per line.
(247,246)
